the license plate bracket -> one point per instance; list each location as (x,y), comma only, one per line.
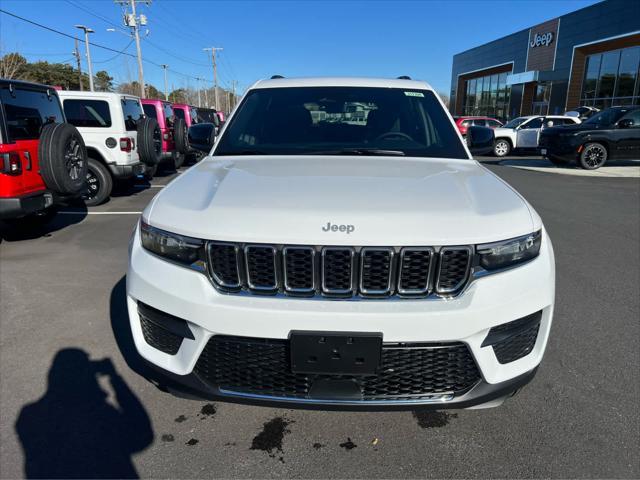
(335,353)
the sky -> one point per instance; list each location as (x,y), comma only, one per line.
(263,38)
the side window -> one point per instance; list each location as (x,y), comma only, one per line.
(27,111)
(535,123)
(87,113)
(150,110)
(633,115)
(194,115)
(179,113)
(481,122)
(132,113)
(168,114)
(493,123)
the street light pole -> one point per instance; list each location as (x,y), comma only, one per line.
(166,92)
(87,31)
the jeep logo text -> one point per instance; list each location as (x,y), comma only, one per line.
(541,39)
(338,228)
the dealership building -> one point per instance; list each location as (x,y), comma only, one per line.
(587,57)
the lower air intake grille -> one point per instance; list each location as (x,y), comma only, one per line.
(159,338)
(408,371)
(519,338)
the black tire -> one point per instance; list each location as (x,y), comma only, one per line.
(178,159)
(149,141)
(62,157)
(99,184)
(150,172)
(181,136)
(501,147)
(593,156)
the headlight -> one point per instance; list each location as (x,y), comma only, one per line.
(186,251)
(510,252)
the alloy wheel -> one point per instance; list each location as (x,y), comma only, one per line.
(73,160)
(501,148)
(93,186)
(594,155)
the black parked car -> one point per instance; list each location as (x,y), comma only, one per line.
(611,134)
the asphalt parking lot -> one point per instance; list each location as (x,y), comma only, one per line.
(63,319)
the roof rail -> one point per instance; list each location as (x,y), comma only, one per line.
(404,77)
(274,77)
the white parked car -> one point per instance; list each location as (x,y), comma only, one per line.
(524,132)
(121,142)
(313,260)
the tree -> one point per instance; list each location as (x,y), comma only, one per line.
(103,82)
(12,65)
(445,98)
(56,74)
(178,96)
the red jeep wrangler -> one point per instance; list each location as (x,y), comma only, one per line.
(43,159)
(175,139)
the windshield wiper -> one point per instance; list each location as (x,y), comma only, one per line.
(358,151)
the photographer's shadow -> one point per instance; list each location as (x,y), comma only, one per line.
(75,430)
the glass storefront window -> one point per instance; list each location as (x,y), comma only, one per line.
(612,78)
(608,72)
(628,71)
(488,95)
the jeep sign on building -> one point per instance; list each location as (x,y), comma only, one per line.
(588,57)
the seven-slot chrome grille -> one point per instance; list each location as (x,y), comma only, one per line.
(340,272)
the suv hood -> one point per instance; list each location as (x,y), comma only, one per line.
(389,201)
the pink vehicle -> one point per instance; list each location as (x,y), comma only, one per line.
(186,112)
(175,140)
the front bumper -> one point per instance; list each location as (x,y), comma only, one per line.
(16,207)
(488,301)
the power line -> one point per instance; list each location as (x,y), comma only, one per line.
(97,45)
(123,51)
(97,15)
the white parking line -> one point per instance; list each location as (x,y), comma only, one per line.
(149,186)
(71,212)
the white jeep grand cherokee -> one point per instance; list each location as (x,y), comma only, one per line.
(340,247)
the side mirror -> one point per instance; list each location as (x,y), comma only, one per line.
(480,140)
(202,136)
(626,123)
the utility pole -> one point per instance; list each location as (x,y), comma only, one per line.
(198,88)
(76,53)
(87,31)
(215,72)
(166,92)
(233,90)
(134,21)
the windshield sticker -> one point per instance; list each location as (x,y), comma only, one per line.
(414,94)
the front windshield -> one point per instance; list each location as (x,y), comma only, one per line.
(606,117)
(515,122)
(341,121)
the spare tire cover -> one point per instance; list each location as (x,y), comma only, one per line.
(62,158)
(149,141)
(180,136)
